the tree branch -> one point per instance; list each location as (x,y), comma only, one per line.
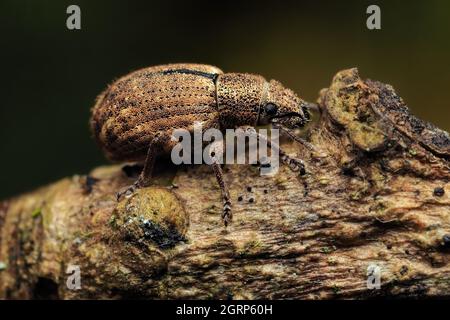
(376,192)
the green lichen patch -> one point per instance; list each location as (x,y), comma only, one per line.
(36,213)
(327,249)
(336,289)
(412,152)
(152,214)
(250,248)
(349,103)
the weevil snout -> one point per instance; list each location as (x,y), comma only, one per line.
(284,107)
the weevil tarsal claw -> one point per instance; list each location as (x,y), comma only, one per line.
(127,192)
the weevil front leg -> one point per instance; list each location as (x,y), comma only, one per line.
(216,151)
(296,165)
(291,134)
(146,173)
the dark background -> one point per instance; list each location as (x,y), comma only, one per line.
(50,75)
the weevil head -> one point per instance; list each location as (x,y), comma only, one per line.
(282,106)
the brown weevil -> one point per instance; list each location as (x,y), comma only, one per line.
(133,119)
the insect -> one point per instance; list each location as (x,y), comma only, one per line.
(133,119)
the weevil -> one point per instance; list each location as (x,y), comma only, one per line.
(133,119)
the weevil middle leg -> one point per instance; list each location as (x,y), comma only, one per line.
(216,151)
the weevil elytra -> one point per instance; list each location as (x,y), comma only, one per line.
(133,119)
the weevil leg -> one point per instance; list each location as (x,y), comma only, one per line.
(146,173)
(296,165)
(290,133)
(216,148)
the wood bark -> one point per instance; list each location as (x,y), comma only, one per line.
(376,193)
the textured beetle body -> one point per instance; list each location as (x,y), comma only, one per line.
(129,114)
(131,111)
(134,118)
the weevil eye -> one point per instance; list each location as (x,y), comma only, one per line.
(306,113)
(271,109)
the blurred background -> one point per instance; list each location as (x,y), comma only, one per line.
(50,75)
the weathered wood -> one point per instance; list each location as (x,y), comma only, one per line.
(377,192)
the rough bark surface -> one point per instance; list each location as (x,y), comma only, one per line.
(377,192)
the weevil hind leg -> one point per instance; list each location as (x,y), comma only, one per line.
(216,150)
(145,176)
